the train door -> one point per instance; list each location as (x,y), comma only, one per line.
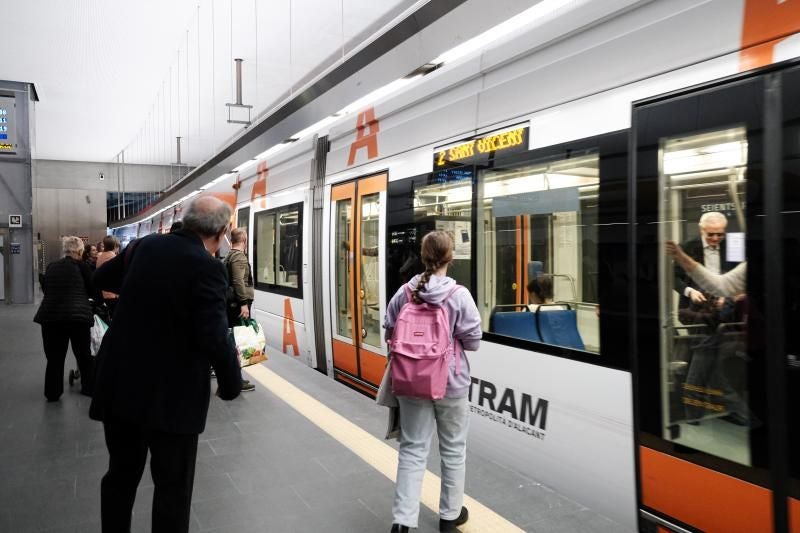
(358,253)
(790,233)
(715,171)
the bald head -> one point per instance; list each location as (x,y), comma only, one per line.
(207,216)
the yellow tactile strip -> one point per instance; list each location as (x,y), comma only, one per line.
(378,454)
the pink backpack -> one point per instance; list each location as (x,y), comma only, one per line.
(421,348)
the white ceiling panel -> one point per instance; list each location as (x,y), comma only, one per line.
(114,75)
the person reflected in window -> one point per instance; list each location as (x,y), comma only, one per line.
(540,292)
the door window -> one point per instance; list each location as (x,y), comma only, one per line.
(344,265)
(370,272)
(703,299)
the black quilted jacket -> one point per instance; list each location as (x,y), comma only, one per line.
(67,285)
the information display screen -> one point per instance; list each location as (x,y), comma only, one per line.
(7,125)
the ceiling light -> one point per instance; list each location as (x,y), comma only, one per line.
(248,163)
(377,94)
(315,127)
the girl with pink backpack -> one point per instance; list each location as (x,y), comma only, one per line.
(438,295)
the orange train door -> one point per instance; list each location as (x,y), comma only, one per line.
(357,253)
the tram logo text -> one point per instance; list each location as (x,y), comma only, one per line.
(507,407)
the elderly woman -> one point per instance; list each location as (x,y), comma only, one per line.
(65,315)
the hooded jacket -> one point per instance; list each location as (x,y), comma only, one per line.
(465,323)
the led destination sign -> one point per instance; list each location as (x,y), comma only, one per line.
(480,149)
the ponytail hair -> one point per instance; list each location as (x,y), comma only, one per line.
(437,251)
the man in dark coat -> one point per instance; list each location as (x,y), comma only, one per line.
(709,250)
(152,387)
(698,307)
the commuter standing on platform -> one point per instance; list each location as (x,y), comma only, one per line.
(65,315)
(110,246)
(241,279)
(90,256)
(152,390)
(450,415)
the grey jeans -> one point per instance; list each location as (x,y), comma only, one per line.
(418,417)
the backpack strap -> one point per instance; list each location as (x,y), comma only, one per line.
(456,342)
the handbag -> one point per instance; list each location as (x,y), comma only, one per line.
(387,398)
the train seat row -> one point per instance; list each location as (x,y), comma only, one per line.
(555,324)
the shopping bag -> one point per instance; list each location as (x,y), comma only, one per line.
(250,342)
(387,398)
(98,331)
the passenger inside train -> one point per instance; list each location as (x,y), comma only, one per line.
(707,355)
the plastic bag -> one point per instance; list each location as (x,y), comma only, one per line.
(98,331)
(250,342)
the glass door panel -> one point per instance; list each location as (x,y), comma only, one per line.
(790,218)
(344,289)
(704,329)
(370,272)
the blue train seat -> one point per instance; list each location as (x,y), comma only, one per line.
(520,324)
(560,327)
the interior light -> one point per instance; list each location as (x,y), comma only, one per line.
(717,156)
(533,14)
(266,153)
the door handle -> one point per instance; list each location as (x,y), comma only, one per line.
(362,293)
(363,333)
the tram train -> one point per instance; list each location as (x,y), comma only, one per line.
(575,146)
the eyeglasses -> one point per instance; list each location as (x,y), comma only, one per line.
(720,235)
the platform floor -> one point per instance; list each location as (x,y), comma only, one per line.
(300,453)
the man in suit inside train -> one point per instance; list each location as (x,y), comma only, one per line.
(705,371)
(708,250)
(152,387)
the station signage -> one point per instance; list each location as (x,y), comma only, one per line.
(481,149)
(7,135)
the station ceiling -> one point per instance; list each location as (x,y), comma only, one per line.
(114,75)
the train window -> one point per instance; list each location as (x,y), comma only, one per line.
(539,247)
(416,206)
(243,220)
(703,302)
(278,250)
